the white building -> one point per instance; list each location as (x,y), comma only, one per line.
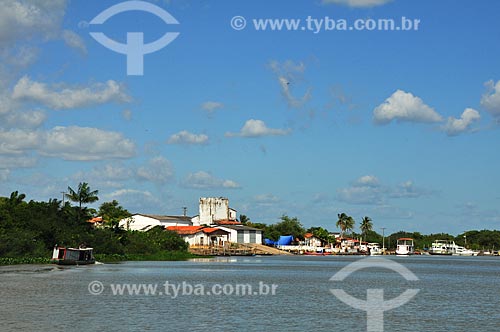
(201,236)
(243,234)
(144,222)
(212,210)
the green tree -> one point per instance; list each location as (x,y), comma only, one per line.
(366,226)
(244,219)
(287,226)
(112,213)
(82,196)
(345,223)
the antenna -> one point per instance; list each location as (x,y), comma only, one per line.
(184,210)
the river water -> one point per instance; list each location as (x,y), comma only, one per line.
(455,294)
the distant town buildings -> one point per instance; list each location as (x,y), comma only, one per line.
(216,224)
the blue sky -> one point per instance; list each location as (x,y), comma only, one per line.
(401,126)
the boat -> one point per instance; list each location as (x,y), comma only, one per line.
(374,249)
(73,256)
(442,247)
(405,247)
(461,251)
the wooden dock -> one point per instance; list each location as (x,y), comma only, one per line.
(235,249)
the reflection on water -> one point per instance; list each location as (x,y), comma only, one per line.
(456,294)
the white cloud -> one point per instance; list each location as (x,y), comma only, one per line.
(404,106)
(185,137)
(257,128)
(84,144)
(18,141)
(74,41)
(29,19)
(135,200)
(463,124)
(27,119)
(367,180)
(157,170)
(60,96)
(357,3)
(367,190)
(289,74)
(205,180)
(491,99)
(211,106)
(16,161)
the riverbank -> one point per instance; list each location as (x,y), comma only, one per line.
(108,258)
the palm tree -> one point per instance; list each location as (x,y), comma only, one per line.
(83,195)
(366,226)
(345,223)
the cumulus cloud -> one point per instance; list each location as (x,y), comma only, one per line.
(185,137)
(61,96)
(157,170)
(29,19)
(16,161)
(404,106)
(85,144)
(455,126)
(135,200)
(289,75)
(205,180)
(211,106)
(74,41)
(367,190)
(19,141)
(257,128)
(491,99)
(27,119)
(357,3)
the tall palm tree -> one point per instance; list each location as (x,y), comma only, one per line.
(345,223)
(83,195)
(366,226)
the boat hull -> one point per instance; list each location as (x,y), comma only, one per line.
(72,262)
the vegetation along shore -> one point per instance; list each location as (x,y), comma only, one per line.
(30,229)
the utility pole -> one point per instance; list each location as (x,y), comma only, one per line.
(63,195)
(383,240)
(184,210)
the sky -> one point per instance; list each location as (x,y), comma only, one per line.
(309,120)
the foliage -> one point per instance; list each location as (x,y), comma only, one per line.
(345,223)
(366,226)
(31,229)
(287,226)
(322,234)
(83,195)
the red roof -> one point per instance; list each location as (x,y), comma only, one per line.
(308,235)
(405,238)
(185,230)
(227,222)
(95,219)
(190,230)
(209,230)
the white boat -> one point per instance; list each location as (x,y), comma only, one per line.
(374,249)
(442,247)
(405,247)
(73,256)
(461,251)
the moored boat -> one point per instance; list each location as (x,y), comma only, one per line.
(73,256)
(442,247)
(405,247)
(374,249)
